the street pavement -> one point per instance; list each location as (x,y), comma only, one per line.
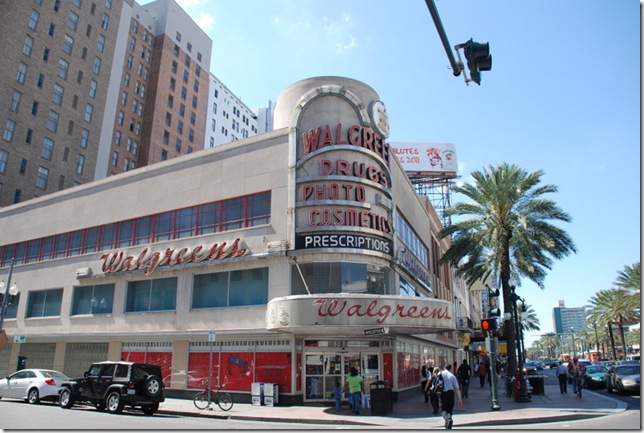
(411,412)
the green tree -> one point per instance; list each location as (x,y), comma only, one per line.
(506,230)
(613,306)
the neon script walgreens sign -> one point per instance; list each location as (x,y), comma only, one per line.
(383,311)
(148,261)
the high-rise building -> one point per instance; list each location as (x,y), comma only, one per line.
(228,118)
(568,320)
(95,88)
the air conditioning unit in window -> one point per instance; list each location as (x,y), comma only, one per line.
(83,272)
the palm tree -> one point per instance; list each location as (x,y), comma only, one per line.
(613,306)
(506,230)
(528,319)
(629,278)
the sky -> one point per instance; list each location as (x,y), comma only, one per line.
(563,96)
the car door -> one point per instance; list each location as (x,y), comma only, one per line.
(17,384)
(105,379)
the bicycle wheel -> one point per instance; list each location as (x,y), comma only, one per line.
(201,400)
(225,402)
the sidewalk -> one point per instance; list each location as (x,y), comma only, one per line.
(413,413)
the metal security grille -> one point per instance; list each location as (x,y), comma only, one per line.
(79,357)
(39,355)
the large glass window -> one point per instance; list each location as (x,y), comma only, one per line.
(44,303)
(230,289)
(340,277)
(151,295)
(93,299)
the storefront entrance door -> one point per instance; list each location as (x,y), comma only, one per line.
(325,370)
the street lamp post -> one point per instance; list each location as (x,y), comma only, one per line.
(572,331)
(8,290)
(523,397)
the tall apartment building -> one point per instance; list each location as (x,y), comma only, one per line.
(265,117)
(228,118)
(566,318)
(90,89)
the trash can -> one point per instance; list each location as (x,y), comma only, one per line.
(537,384)
(381,398)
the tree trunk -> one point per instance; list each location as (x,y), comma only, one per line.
(621,332)
(508,303)
(612,339)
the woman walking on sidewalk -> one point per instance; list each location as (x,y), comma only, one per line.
(430,388)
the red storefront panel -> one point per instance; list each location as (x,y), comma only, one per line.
(162,359)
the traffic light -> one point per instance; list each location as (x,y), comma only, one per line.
(493,302)
(488,325)
(478,59)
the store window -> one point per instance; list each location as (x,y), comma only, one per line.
(93,299)
(230,289)
(44,303)
(339,277)
(151,295)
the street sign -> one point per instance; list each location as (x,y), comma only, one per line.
(19,338)
(211,336)
(374,331)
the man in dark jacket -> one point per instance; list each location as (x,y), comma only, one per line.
(464,373)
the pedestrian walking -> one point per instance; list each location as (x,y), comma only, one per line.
(434,390)
(450,391)
(353,384)
(425,375)
(562,375)
(337,395)
(464,374)
(482,372)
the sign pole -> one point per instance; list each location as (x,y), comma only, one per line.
(492,344)
(211,339)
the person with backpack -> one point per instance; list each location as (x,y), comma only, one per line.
(434,388)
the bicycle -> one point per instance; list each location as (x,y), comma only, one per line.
(578,385)
(202,400)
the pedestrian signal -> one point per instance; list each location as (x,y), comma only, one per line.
(488,325)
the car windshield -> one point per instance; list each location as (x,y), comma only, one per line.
(596,369)
(628,370)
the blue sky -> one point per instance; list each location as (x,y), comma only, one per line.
(563,96)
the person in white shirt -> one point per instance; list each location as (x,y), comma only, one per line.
(450,388)
(562,375)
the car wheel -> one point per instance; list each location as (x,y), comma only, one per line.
(152,386)
(114,403)
(608,388)
(66,399)
(32,396)
(151,409)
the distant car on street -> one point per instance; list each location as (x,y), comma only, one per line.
(33,385)
(530,367)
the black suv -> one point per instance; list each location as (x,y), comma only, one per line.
(114,385)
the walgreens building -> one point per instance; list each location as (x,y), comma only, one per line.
(283,258)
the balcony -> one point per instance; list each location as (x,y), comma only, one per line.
(464,324)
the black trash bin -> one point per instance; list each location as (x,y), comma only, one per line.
(381,398)
(536,382)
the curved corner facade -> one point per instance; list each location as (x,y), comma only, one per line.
(283,258)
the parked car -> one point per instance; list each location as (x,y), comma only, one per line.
(584,363)
(33,385)
(623,378)
(594,376)
(115,385)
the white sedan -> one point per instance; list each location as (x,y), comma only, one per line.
(33,385)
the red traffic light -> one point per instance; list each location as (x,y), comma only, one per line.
(488,325)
